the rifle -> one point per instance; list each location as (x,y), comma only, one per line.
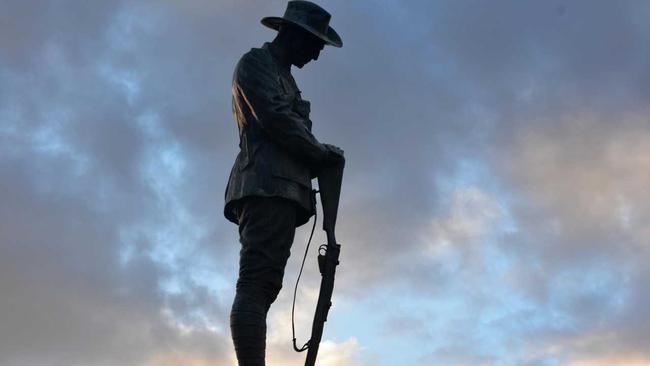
(329,185)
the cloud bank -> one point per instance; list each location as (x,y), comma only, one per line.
(494,208)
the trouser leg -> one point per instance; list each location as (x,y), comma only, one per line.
(266,229)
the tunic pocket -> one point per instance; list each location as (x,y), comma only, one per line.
(287,167)
(302,107)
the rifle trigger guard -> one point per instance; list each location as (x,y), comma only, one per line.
(321,258)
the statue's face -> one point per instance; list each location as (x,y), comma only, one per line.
(307,47)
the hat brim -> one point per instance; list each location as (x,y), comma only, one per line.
(331,38)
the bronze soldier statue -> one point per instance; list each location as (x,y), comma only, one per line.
(269,192)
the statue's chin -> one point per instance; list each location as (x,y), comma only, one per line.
(301,64)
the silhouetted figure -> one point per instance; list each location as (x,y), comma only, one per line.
(269,191)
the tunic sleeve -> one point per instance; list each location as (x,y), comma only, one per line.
(257,88)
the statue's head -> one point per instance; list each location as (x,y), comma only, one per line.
(305,30)
(302,46)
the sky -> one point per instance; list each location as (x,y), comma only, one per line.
(495,208)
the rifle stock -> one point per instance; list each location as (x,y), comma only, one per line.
(329,185)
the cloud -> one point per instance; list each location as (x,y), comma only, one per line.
(494,202)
